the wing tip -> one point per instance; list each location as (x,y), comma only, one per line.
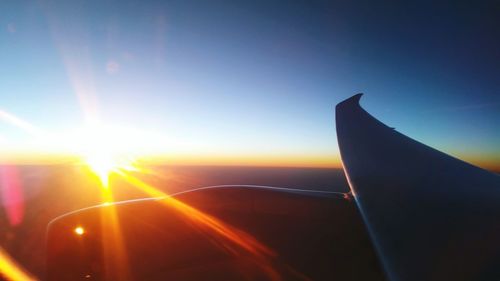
(349,102)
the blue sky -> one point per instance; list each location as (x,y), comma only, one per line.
(255,77)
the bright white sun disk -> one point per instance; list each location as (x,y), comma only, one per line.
(102,150)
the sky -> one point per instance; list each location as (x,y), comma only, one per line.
(247,82)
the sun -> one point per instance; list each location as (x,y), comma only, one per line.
(101,149)
(106,148)
(102,164)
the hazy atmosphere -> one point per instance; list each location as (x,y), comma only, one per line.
(116,115)
(244,82)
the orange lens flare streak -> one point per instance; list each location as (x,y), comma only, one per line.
(261,254)
(10,270)
(115,255)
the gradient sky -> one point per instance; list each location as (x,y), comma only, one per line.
(255,79)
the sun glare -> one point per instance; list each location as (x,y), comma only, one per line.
(104,150)
(102,164)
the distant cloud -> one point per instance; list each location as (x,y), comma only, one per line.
(112,67)
(11,28)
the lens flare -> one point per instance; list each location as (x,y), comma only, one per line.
(19,123)
(10,270)
(79,230)
(115,255)
(11,194)
(244,243)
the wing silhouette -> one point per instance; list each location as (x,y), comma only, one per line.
(429,215)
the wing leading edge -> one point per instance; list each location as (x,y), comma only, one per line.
(430,216)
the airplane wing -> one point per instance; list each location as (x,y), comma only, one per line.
(429,215)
